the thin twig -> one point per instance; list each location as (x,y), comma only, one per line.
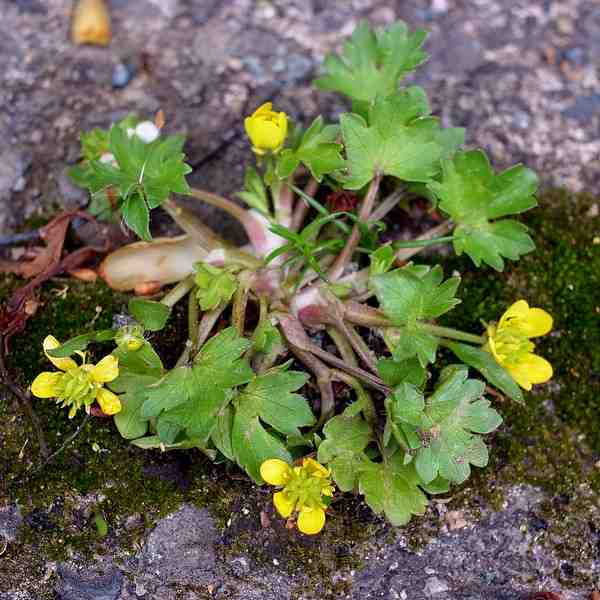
(20,238)
(24,399)
(50,458)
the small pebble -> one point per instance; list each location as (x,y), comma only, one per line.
(122,74)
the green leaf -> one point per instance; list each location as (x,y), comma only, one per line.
(474,197)
(152,315)
(193,397)
(270,396)
(81,342)
(392,488)
(268,399)
(221,435)
(215,285)
(136,215)
(446,424)
(343,449)
(394,372)
(129,421)
(254,193)
(372,64)
(265,337)
(144,176)
(399,140)
(252,444)
(136,368)
(317,150)
(409,296)
(137,371)
(485,363)
(382,260)
(94,143)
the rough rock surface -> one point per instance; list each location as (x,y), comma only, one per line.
(522,77)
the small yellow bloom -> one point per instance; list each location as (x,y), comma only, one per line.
(303,491)
(266,129)
(78,385)
(509,343)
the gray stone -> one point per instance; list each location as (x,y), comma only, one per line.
(181,549)
(13,165)
(77,583)
(435,586)
(10,521)
(71,196)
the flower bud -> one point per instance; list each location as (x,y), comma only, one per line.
(266,129)
(130,337)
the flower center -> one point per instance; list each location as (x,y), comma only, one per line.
(77,387)
(512,345)
(306,490)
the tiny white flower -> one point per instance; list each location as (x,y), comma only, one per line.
(108,158)
(147,131)
(130,131)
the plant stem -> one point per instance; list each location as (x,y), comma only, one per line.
(323,376)
(343,345)
(359,345)
(345,256)
(237,212)
(240,301)
(438,230)
(387,204)
(192,318)
(453,334)
(362,395)
(178,292)
(207,322)
(302,206)
(423,243)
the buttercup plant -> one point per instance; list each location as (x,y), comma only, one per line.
(404,428)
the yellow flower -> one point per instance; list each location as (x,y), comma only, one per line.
(78,385)
(303,491)
(509,342)
(266,129)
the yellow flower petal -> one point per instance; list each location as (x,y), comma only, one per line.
(109,402)
(537,322)
(106,370)
(46,385)
(282,504)
(531,322)
(311,520)
(314,468)
(263,109)
(275,471)
(517,310)
(64,364)
(531,369)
